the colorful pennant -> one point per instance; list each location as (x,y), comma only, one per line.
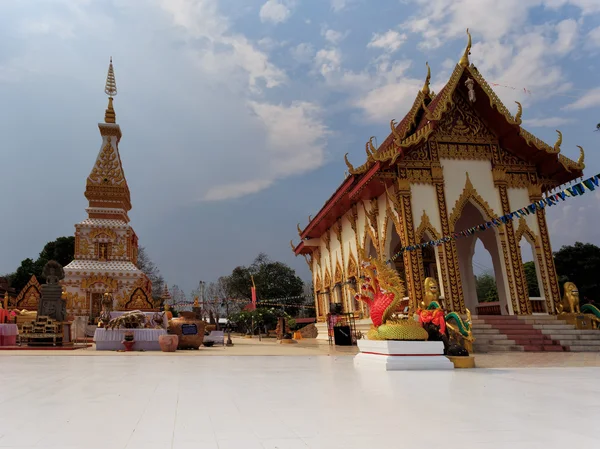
(550,200)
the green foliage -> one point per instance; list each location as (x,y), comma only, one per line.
(580,264)
(273,280)
(261,318)
(61,250)
(485,285)
(532,280)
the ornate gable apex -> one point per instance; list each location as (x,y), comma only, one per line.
(461,123)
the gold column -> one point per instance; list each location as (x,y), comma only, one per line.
(413,265)
(448,251)
(519,293)
(535,194)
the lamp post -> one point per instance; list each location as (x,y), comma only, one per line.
(229,342)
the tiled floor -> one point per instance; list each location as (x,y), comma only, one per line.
(153,402)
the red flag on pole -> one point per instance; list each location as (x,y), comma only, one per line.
(253,290)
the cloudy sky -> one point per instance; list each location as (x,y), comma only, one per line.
(236,114)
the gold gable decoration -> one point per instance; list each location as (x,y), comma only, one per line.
(108,169)
(469,194)
(318,284)
(97,233)
(30,295)
(327,279)
(108,282)
(462,124)
(338,276)
(352,266)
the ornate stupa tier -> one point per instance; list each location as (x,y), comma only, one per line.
(106,186)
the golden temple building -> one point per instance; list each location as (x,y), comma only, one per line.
(458,159)
(106,246)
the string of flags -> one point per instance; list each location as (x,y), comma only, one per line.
(529,92)
(549,201)
(268,302)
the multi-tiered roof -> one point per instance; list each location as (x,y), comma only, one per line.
(418,125)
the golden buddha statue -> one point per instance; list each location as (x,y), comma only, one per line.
(196,302)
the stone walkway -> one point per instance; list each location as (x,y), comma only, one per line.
(159,401)
(270,347)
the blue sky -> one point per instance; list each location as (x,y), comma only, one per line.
(235,118)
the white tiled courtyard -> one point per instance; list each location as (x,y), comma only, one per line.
(156,402)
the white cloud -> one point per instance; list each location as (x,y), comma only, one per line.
(590,100)
(567,36)
(593,37)
(339,5)
(389,101)
(237,190)
(550,122)
(295,143)
(335,37)
(275,11)
(303,53)
(390,41)
(228,52)
(328,61)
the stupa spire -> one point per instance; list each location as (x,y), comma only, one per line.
(111,90)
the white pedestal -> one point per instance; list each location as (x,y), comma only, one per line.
(388,355)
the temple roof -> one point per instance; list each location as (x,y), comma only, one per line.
(103,223)
(111,266)
(418,125)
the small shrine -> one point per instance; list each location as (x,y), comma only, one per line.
(106,246)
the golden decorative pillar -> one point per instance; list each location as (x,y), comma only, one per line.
(448,251)
(413,265)
(519,294)
(535,194)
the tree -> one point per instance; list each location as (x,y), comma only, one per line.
(485,284)
(532,280)
(145,264)
(61,250)
(217,301)
(177,295)
(580,264)
(274,280)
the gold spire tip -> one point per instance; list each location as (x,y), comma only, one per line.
(464,61)
(425,89)
(110,89)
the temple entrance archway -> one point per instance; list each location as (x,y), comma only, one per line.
(393,247)
(471,216)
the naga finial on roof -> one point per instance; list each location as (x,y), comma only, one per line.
(426,89)
(464,61)
(558,143)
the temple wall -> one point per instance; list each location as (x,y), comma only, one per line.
(480,174)
(519,197)
(424,198)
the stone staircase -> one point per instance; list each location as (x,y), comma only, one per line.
(531,333)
